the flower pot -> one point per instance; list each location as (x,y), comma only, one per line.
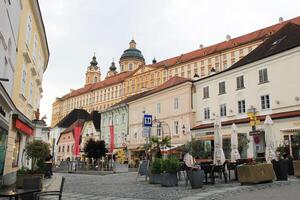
(154,178)
(196,178)
(255,173)
(169,180)
(281,169)
(296,165)
(21,177)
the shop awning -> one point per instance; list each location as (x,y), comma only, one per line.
(291,130)
(173,147)
(210,137)
(135,147)
(21,126)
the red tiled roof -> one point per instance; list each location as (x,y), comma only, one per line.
(176,80)
(222,46)
(106,82)
(274,116)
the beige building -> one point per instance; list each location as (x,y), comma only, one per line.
(170,105)
(136,76)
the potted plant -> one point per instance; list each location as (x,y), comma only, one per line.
(169,168)
(296,147)
(36,151)
(280,165)
(197,149)
(155,171)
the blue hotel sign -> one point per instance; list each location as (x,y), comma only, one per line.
(148,120)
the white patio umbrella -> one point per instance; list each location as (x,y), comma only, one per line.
(234,144)
(219,157)
(270,140)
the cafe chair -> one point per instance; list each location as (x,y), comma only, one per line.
(31,183)
(52,193)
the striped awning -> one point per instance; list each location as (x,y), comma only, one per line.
(291,130)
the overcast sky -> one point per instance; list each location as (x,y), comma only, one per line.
(162,29)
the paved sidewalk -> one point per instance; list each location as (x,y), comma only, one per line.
(124,187)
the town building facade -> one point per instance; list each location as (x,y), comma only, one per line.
(115,117)
(30,64)
(265,82)
(9,29)
(170,106)
(136,76)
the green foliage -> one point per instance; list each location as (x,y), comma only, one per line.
(95,149)
(243,142)
(197,149)
(156,166)
(37,151)
(281,149)
(297,140)
(156,144)
(170,165)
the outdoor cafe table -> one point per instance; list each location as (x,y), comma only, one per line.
(16,193)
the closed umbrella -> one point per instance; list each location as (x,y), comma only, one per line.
(219,157)
(270,140)
(235,155)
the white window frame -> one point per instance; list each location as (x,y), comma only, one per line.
(240,82)
(28,30)
(265,102)
(241,106)
(176,103)
(23,81)
(223,110)
(206,113)
(158,108)
(206,92)
(263,76)
(176,127)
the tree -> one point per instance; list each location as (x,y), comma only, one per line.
(95,149)
(156,144)
(37,151)
(197,149)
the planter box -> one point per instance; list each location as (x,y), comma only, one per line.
(196,178)
(296,164)
(169,180)
(255,173)
(133,169)
(154,178)
(21,177)
(281,169)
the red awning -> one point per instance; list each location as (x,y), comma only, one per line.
(21,126)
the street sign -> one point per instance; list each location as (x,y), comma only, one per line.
(148,120)
(146,131)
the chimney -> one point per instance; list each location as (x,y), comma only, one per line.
(213,71)
(201,46)
(71,90)
(228,37)
(280,19)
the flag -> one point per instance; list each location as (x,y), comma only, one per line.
(112,138)
(77,133)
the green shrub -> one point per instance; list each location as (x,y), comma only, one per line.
(156,166)
(170,165)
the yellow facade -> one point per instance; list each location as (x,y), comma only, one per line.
(32,61)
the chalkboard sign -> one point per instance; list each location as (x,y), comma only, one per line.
(143,168)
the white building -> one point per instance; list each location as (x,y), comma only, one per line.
(266,79)
(9,28)
(170,105)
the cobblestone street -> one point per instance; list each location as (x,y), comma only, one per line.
(125,187)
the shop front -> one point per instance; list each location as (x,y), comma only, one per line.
(6,108)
